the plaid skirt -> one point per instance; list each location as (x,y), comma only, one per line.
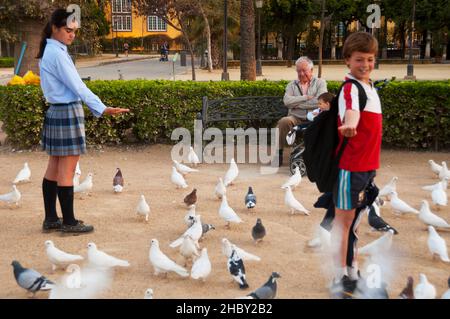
(63,133)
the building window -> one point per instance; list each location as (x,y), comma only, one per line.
(122,23)
(156,24)
(121,6)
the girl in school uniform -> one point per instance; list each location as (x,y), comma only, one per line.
(63,135)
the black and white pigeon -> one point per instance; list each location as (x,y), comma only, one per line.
(30,279)
(258,231)
(268,290)
(376,222)
(250,199)
(237,269)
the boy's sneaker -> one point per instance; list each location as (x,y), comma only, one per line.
(78,228)
(48,227)
(343,289)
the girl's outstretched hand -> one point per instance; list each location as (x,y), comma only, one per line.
(115,110)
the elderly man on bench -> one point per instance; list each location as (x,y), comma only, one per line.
(300,97)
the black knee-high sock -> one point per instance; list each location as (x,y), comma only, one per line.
(65,196)
(49,192)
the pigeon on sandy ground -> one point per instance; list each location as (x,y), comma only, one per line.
(100,259)
(389,188)
(29,279)
(258,231)
(143,208)
(250,199)
(202,266)
(227,250)
(429,218)
(237,269)
(376,222)
(424,290)
(192,157)
(268,290)
(163,264)
(294,180)
(408,291)
(220,189)
(231,174)
(59,258)
(148,293)
(85,186)
(183,169)
(437,245)
(178,179)
(191,198)
(293,204)
(399,206)
(227,213)
(118,181)
(24,175)
(12,197)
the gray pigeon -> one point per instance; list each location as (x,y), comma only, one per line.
(378,223)
(30,279)
(258,231)
(237,269)
(206,228)
(268,290)
(250,199)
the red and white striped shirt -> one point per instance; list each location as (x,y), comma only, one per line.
(362,152)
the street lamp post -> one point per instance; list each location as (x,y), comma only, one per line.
(259,4)
(225,75)
(410,69)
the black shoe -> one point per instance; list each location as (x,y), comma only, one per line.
(48,227)
(78,228)
(344,289)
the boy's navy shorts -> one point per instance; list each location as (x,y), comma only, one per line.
(349,190)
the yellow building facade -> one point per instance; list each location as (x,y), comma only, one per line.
(127,24)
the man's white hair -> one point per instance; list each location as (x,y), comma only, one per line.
(304,59)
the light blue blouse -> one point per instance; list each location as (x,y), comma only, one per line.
(60,81)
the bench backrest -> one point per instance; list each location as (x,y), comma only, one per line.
(243,108)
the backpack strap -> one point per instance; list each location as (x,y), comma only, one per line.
(300,90)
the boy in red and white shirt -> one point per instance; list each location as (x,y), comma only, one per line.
(360,159)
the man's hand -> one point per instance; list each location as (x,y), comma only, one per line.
(347,130)
(115,110)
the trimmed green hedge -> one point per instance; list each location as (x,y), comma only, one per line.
(416,114)
(6,62)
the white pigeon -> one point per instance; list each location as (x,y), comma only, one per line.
(59,258)
(23,175)
(148,293)
(100,259)
(202,266)
(429,218)
(85,186)
(86,283)
(444,171)
(77,169)
(192,156)
(143,208)
(293,203)
(163,264)
(389,188)
(178,179)
(227,213)
(443,182)
(190,216)
(399,206)
(231,174)
(227,249)
(424,289)
(378,246)
(76,180)
(294,180)
(183,169)
(195,232)
(220,189)
(437,245)
(439,196)
(11,197)
(118,188)
(436,168)
(188,248)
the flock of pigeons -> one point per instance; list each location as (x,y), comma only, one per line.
(93,279)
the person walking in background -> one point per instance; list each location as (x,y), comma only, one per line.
(63,135)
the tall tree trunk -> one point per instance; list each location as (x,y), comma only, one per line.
(402,40)
(208,36)
(28,33)
(248,61)
(322,30)
(191,51)
(216,53)
(290,49)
